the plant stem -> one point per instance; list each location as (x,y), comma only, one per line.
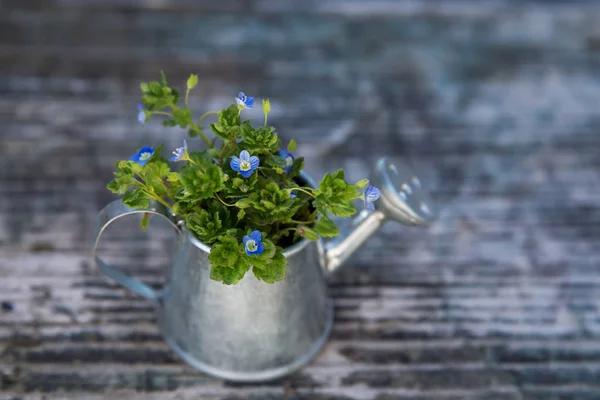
(187,95)
(197,129)
(302,190)
(157,198)
(302,222)
(280,233)
(162,113)
(221,200)
(194,127)
(207,114)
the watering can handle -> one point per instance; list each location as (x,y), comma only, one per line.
(112,212)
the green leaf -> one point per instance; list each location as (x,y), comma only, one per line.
(155,89)
(174,96)
(182,116)
(243,203)
(125,166)
(336,195)
(260,140)
(172,177)
(229,117)
(192,81)
(226,252)
(113,186)
(198,184)
(124,182)
(212,152)
(267,254)
(297,167)
(144,87)
(229,276)
(272,270)
(275,161)
(169,123)
(241,214)
(227,264)
(272,204)
(209,226)
(136,199)
(292,146)
(220,131)
(326,227)
(343,210)
(308,233)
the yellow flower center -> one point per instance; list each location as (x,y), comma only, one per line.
(245,165)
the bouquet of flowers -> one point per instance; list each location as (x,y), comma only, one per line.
(243,194)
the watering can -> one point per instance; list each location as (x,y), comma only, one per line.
(253,331)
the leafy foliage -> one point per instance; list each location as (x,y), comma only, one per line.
(220,205)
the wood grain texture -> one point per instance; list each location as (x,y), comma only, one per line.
(496,102)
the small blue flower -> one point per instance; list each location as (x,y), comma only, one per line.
(180,154)
(141,114)
(142,156)
(289,160)
(244,164)
(293,195)
(253,243)
(369,196)
(244,101)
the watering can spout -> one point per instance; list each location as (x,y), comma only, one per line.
(402,200)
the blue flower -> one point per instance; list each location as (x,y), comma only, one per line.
(141,114)
(253,244)
(370,195)
(244,101)
(142,156)
(245,164)
(289,160)
(180,154)
(293,195)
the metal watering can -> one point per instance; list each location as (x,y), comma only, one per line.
(219,330)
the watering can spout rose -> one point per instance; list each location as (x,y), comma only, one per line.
(246,295)
(402,199)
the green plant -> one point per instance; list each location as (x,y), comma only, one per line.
(242,194)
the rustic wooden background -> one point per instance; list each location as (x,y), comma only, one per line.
(495,101)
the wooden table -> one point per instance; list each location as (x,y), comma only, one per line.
(495,101)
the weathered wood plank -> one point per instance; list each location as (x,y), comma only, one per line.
(497,99)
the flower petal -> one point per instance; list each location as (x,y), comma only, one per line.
(235,163)
(245,239)
(245,174)
(256,236)
(244,155)
(254,162)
